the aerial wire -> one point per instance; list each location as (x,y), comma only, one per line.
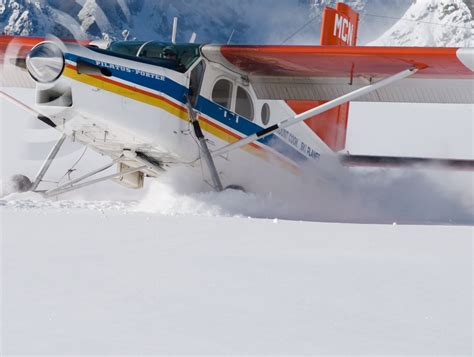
(375,15)
(299,30)
(418,21)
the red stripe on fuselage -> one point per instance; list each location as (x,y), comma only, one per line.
(128,87)
(159,97)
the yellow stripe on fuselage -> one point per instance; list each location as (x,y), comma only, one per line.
(162,103)
(130,93)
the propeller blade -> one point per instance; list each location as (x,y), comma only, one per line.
(13,51)
(19,62)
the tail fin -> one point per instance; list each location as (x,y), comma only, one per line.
(339,28)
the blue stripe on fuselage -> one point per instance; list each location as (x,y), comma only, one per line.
(246,128)
(178,92)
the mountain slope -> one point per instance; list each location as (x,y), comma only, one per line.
(441,23)
(212,20)
(423,23)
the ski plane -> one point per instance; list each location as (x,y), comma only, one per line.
(238,111)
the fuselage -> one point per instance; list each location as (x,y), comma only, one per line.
(129,97)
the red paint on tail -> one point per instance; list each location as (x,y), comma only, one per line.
(331,126)
(339,28)
(340,25)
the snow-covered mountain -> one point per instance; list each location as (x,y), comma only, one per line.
(423,22)
(212,20)
(441,23)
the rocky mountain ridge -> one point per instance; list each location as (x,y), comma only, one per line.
(397,22)
(443,23)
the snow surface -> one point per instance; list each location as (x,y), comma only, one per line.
(178,269)
(175,269)
(104,281)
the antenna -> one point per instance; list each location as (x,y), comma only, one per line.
(175,29)
(230,37)
(193,37)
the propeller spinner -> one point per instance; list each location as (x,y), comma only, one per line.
(45,62)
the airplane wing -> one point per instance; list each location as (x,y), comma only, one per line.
(446,75)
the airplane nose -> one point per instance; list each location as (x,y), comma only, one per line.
(45,62)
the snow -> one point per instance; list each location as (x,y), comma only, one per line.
(424,22)
(175,269)
(249,20)
(439,23)
(78,281)
(178,269)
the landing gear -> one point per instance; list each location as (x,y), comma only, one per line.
(21,183)
(16,184)
(130,163)
(235,187)
(47,163)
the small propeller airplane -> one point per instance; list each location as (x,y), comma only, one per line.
(240,112)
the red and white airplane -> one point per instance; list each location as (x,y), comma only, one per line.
(241,112)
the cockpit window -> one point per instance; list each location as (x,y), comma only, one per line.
(128,48)
(178,57)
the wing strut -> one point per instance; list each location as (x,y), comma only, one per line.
(317,110)
(205,152)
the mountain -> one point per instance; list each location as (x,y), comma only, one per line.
(441,23)
(212,20)
(395,22)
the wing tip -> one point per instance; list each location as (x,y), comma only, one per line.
(466,56)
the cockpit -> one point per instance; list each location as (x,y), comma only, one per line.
(178,57)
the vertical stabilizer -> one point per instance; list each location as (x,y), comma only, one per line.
(339,28)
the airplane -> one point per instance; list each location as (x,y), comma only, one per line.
(238,113)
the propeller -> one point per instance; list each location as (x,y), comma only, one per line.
(24,63)
(38,62)
(13,52)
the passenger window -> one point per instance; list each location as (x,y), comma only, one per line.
(222,92)
(243,104)
(265,114)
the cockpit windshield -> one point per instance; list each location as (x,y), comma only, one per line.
(178,57)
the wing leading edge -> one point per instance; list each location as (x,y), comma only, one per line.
(446,75)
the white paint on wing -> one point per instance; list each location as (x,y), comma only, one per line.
(466,56)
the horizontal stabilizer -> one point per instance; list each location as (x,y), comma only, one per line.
(393,161)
